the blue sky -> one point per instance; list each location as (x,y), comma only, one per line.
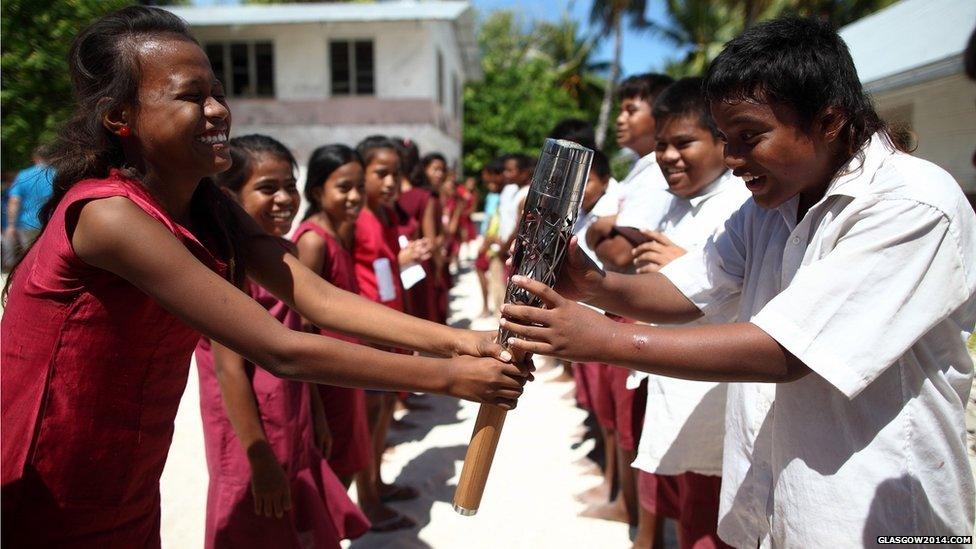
(642,51)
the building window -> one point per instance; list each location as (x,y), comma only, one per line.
(440,78)
(245,68)
(352,67)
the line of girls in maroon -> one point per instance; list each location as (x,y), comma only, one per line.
(155,218)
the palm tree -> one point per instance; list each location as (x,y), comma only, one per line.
(570,54)
(610,15)
(702,26)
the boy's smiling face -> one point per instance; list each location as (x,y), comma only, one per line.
(689,156)
(767,145)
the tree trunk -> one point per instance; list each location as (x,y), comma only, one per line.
(603,121)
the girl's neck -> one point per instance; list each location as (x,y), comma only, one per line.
(344,231)
(173,193)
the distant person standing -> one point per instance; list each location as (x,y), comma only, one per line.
(28,193)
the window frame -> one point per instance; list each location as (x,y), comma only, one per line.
(227,76)
(352,61)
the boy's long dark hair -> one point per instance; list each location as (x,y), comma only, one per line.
(104,70)
(321,164)
(802,63)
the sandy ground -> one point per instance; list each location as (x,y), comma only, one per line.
(529,501)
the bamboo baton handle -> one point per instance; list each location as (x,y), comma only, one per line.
(550,212)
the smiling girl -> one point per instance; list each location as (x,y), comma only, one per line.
(132,266)
(262,453)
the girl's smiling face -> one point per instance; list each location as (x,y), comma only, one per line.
(270,194)
(341,197)
(768,146)
(382,181)
(181,123)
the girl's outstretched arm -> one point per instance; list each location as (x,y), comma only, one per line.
(284,275)
(269,483)
(115,235)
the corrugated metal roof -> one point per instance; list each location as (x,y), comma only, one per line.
(911,41)
(404,10)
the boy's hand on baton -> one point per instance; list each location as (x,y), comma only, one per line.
(580,278)
(650,256)
(563,329)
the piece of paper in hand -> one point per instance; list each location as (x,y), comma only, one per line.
(412,274)
(384,279)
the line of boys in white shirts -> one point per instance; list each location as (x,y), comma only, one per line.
(850,448)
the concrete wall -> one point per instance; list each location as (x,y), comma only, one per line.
(304,115)
(301,55)
(943,115)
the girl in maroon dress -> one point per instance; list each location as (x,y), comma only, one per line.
(378,258)
(416,204)
(104,311)
(263,454)
(431,177)
(335,191)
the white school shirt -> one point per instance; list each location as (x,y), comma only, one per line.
(633,194)
(875,291)
(508,211)
(684,421)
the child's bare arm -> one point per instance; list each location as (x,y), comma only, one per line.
(726,352)
(152,259)
(269,483)
(648,297)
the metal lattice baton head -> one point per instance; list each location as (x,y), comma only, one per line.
(551,208)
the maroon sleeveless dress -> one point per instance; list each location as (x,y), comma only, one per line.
(322,513)
(420,299)
(93,371)
(345,408)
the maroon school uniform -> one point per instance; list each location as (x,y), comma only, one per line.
(345,408)
(93,371)
(420,299)
(322,512)
(376,241)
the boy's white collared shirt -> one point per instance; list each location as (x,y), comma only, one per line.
(640,200)
(874,290)
(684,421)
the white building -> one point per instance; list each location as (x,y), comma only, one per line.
(909,58)
(312,74)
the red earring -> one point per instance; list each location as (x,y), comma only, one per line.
(124,131)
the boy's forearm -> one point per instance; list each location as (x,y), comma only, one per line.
(646,297)
(739,352)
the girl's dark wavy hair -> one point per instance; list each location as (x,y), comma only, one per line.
(103,65)
(804,64)
(321,164)
(419,178)
(243,149)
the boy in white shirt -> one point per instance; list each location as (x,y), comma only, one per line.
(855,266)
(680,450)
(642,198)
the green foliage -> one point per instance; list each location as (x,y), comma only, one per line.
(36,92)
(520,98)
(704,26)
